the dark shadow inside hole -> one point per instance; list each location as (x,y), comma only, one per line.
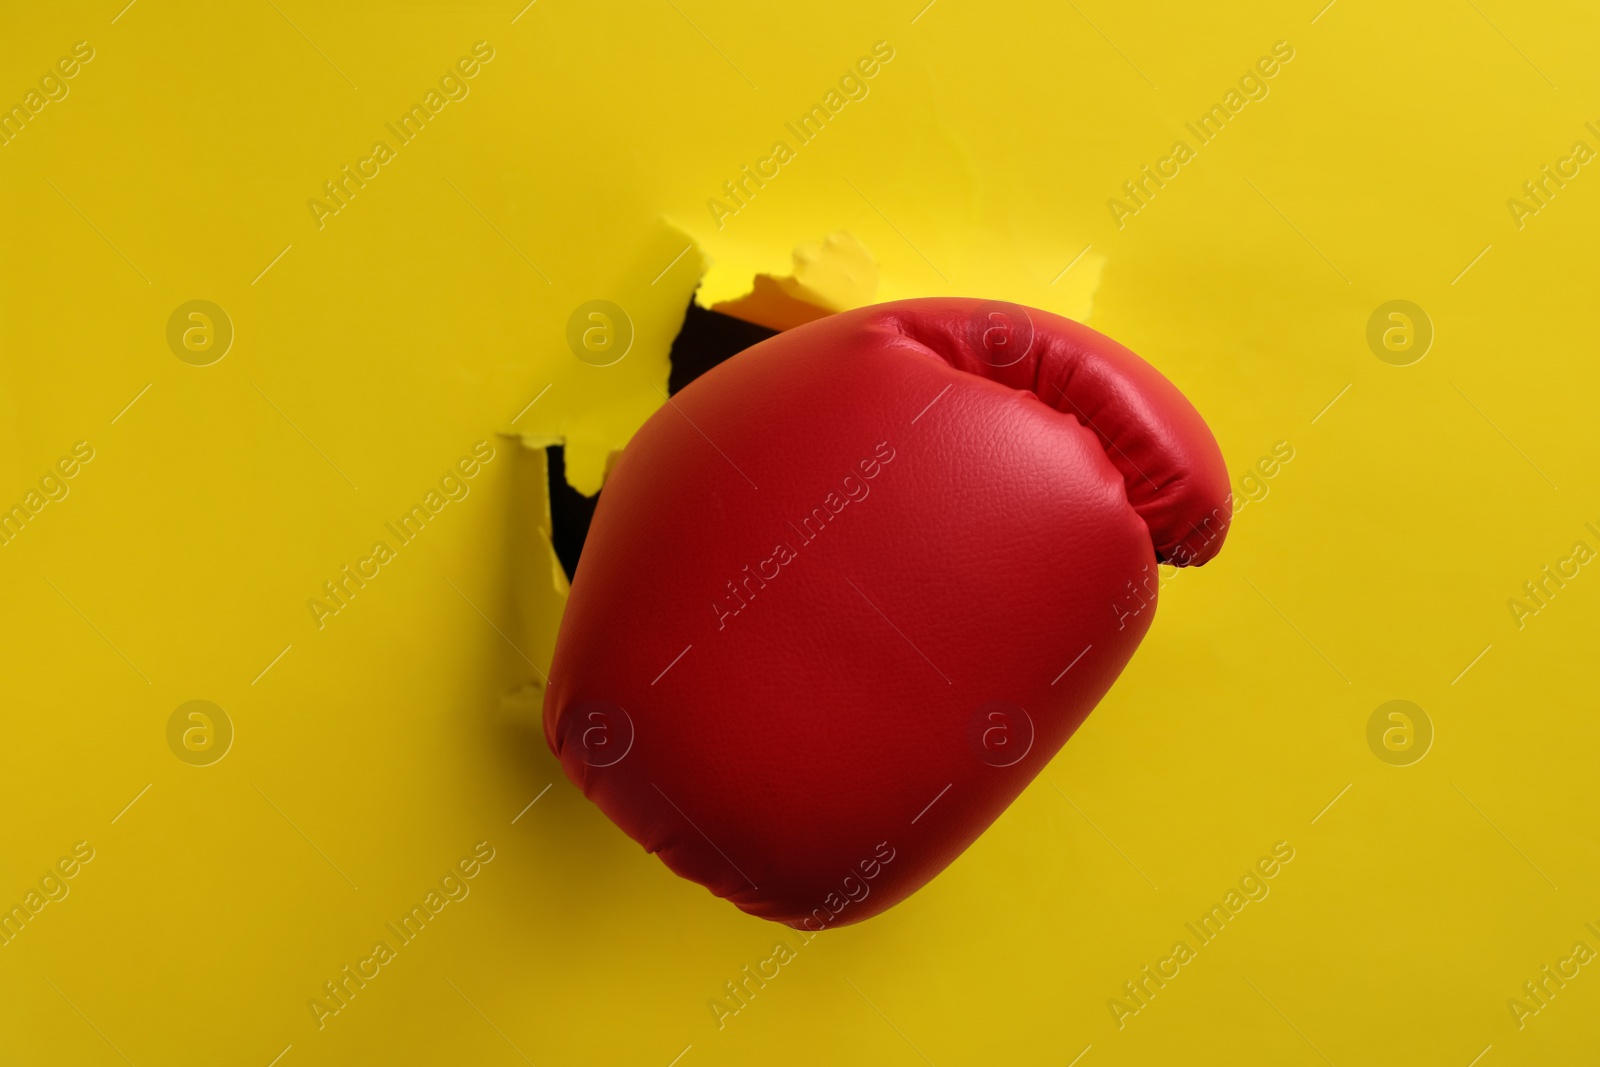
(570,511)
(707,339)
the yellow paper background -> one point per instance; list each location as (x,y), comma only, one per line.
(431,311)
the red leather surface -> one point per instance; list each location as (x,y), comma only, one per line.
(819,746)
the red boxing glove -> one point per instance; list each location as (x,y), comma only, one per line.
(848,593)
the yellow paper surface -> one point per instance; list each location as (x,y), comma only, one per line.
(374,747)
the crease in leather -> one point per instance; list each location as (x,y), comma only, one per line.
(1065,357)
